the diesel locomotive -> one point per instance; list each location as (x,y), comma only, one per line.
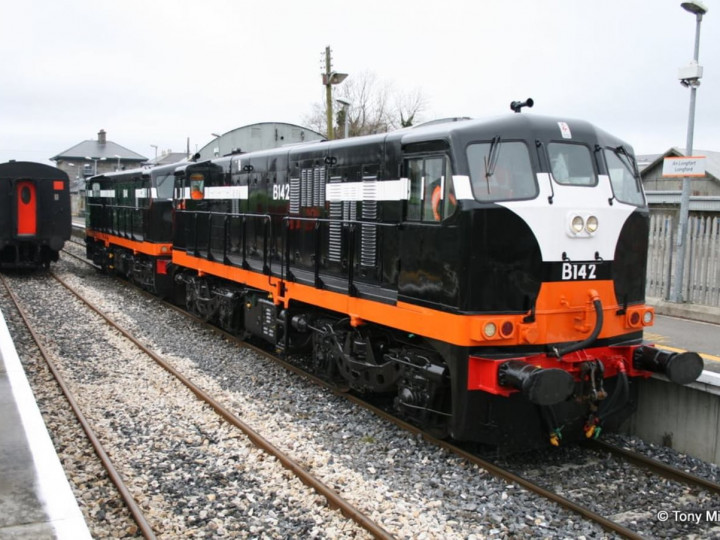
(35,219)
(486,276)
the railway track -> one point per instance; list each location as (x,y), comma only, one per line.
(597,515)
(147,525)
(600,516)
(99,448)
(656,466)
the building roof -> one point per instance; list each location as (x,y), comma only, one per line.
(167,158)
(100,148)
(644,160)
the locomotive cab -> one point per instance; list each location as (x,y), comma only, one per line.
(129,225)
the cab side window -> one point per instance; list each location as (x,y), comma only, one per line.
(431,194)
(415,174)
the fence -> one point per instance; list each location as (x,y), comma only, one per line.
(701,281)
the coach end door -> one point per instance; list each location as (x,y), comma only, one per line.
(26,197)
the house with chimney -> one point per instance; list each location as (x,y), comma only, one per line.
(92,157)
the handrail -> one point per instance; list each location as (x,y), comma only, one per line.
(193,243)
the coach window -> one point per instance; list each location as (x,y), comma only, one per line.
(501,171)
(571,164)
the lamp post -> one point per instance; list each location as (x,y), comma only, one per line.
(155,146)
(330,78)
(216,150)
(95,160)
(689,77)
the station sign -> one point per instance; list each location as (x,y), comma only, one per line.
(693,166)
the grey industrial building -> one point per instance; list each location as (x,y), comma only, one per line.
(257,137)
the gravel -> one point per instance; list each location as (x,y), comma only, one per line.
(199,480)
(622,492)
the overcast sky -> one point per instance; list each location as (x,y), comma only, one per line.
(155,72)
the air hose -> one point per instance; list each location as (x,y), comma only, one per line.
(559,352)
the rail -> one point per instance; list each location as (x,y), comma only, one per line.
(334,499)
(585,512)
(102,454)
(658,467)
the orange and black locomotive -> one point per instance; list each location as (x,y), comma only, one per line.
(489,275)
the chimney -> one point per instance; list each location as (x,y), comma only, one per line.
(101,137)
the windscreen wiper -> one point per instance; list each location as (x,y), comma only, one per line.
(630,159)
(491,160)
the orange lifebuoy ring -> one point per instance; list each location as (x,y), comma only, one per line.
(436,198)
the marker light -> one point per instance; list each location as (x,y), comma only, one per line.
(507,329)
(647,317)
(591,225)
(577,224)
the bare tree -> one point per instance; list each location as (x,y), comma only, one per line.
(408,105)
(316,119)
(372,110)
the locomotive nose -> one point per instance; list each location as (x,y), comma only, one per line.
(539,386)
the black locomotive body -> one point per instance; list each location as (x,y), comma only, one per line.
(129,224)
(489,275)
(35,219)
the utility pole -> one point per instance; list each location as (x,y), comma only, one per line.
(329,78)
(328,94)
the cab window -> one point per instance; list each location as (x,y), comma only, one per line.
(501,170)
(164,185)
(432,197)
(571,164)
(625,183)
(197,185)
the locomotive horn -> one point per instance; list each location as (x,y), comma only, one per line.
(680,368)
(539,386)
(517,105)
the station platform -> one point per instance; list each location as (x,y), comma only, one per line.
(36,500)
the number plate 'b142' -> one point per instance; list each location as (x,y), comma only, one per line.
(579,271)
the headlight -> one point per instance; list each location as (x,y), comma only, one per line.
(577,224)
(490,329)
(591,225)
(647,317)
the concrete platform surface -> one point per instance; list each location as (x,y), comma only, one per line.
(36,500)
